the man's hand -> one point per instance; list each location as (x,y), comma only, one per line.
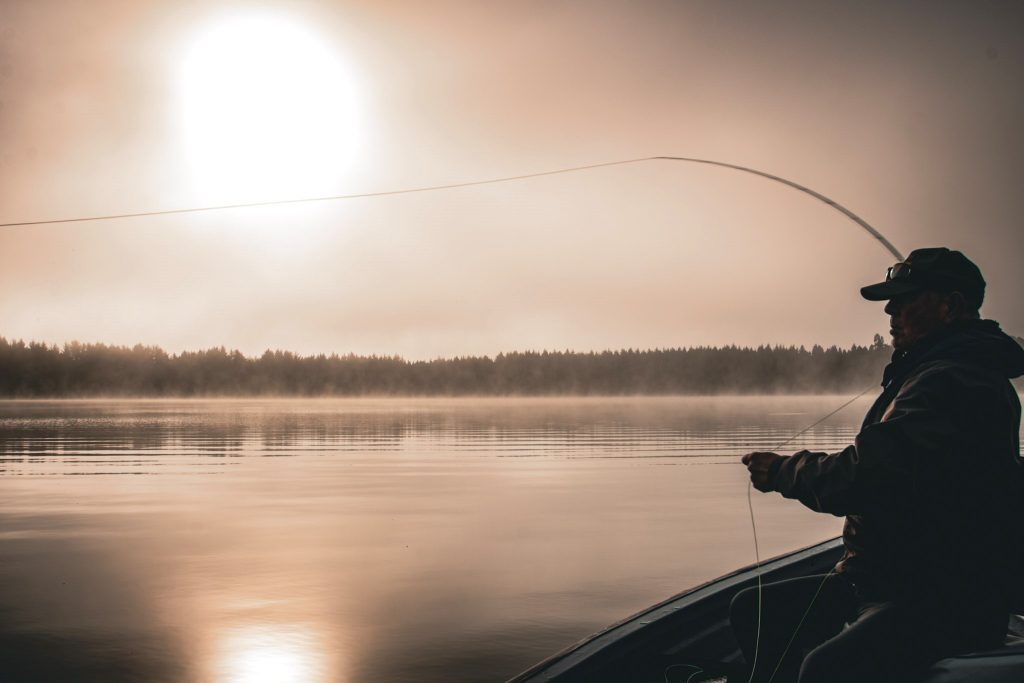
(760,464)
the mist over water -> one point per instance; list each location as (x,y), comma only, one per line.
(359,540)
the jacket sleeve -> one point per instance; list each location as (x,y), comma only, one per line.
(923,420)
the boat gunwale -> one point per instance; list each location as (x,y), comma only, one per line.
(575,654)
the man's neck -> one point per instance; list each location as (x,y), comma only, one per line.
(932,338)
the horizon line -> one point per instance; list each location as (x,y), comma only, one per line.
(63,346)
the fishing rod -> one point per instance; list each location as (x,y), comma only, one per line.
(471,183)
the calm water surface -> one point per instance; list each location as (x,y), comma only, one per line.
(370,540)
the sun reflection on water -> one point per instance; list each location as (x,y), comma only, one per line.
(271,653)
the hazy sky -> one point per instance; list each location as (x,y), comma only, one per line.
(908,113)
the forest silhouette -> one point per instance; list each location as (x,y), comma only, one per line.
(38,370)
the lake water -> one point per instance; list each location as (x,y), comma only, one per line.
(393,540)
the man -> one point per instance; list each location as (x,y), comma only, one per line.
(932,494)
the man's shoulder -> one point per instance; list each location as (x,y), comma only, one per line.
(953,369)
(955,377)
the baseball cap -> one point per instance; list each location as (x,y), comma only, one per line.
(936,268)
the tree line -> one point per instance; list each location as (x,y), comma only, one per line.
(33,369)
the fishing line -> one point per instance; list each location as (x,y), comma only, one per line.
(757,561)
(490,181)
(757,553)
(683,666)
(799,624)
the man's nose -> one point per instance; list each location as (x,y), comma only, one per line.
(891,307)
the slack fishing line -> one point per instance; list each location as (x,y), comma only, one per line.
(757,552)
(873,232)
(757,565)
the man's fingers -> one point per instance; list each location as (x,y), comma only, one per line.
(759,460)
(759,464)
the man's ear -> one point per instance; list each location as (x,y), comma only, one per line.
(954,306)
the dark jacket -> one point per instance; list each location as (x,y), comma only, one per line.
(933,486)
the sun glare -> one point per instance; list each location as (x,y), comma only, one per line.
(270,654)
(269,110)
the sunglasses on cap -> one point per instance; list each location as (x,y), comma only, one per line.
(900,271)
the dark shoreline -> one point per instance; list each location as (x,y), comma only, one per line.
(76,370)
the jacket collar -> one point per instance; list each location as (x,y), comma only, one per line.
(905,360)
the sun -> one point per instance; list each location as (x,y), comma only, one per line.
(269,110)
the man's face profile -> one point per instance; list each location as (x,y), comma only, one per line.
(914,316)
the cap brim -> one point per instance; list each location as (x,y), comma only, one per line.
(887,290)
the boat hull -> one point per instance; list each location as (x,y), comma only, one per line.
(692,626)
